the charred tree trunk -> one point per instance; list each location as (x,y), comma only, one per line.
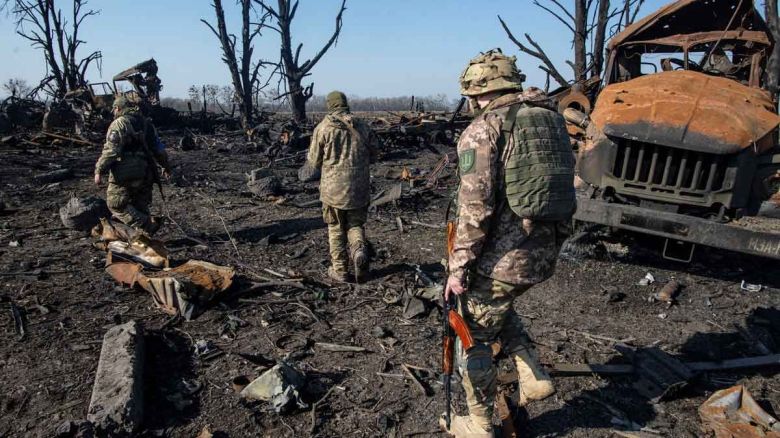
(773,65)
(600,38)
(293,71)
(243,75)
(580,37)
(41,23)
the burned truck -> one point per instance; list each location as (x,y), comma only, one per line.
(89,107)
(682,141)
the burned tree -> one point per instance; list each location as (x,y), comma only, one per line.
(291,68)
(44,25)
(16,87)
(773,66)
(245,76)
(589,23)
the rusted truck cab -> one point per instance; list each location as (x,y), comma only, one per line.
(683,140)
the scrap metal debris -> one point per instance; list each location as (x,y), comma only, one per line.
(183,290)
(668,293)
(747,287)
(141,249)
(647,280)
(734,413)
(280,386)
(660,376)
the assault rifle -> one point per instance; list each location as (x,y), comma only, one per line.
(454,325)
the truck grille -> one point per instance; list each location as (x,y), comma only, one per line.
(654,168)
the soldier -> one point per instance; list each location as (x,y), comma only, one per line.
(344,146)
(515,202)
(130,156)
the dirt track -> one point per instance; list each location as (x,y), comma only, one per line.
(47,376)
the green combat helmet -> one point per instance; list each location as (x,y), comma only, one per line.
(124,105)
(489,72)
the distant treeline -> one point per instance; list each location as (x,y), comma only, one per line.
(439,102)
(219,100)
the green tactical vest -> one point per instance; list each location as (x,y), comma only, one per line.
(134,162)
(539,170)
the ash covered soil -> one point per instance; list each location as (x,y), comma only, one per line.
(68,302)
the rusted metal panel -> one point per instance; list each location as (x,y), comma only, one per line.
(734,413)
(685,42)
(688,110)
(678,18)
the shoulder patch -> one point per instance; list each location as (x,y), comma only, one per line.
(466,161)
(113,136)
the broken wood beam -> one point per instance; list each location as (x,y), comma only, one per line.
(70,139)
(336,348)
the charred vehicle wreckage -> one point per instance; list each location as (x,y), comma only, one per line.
(89,107)
(682,142)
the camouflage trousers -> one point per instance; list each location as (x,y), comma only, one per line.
(130,203)
(487,309)
(344,227)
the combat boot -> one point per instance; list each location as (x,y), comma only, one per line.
(462,426)
(360,259)
(535,383)
(342,277)
(154,224)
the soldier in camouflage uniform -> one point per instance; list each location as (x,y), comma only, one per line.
(515,202)
(343,146)
(130,156)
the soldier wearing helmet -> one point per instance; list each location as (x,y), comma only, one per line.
(514,206)
(130,157)
(343,146)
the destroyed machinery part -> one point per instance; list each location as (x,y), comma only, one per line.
(686,148)
(16,112)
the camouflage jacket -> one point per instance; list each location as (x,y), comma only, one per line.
(490,238)
(343,146)
(124,154)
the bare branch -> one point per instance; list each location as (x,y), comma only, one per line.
(297,53)
(308,65)
(538,53)
(566,23)
(210,27)
(267,9)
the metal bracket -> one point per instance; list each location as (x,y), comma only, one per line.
(681,246)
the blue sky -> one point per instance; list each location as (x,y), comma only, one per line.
(386,48)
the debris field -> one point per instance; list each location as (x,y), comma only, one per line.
(366,357)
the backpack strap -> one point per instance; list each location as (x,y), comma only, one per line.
(506,130)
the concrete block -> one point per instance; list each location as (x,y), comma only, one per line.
(116,407)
